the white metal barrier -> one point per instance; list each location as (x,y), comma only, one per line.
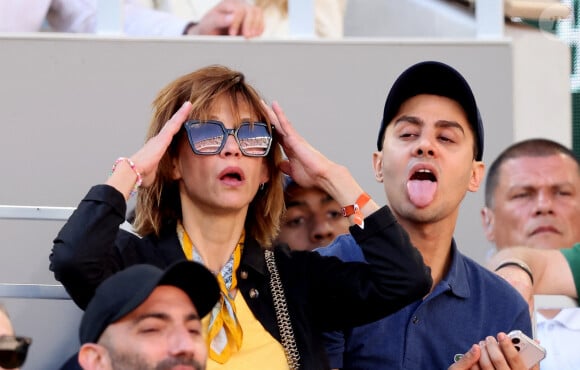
(34,291)
(35,213)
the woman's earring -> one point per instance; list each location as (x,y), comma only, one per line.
(262,186)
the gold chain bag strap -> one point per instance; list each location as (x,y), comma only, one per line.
(282,315)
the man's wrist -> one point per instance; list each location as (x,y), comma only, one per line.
(188,30)
(516,263)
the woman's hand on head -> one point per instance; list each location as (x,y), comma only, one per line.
(305,164)
(144,163)
(310,168)
(148,157)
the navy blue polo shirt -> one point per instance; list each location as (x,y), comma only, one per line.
(469,304)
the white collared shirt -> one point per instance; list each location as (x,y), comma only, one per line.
(560,337)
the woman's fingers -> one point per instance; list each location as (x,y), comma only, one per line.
(148,157)
(174,124)
(161,141)
(277,118)
(271,114)
(285,127)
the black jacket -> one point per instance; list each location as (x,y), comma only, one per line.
(322,293)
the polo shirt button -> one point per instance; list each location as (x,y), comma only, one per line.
(415,320)
(244,274)
(254,293)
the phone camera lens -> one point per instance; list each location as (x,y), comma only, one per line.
(517,348)
(515,340)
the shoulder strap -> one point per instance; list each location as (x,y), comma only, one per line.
(282,315)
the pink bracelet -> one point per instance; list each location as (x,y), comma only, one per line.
(134,168)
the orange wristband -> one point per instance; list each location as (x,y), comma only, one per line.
(354,209)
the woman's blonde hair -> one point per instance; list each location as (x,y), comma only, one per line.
(159,204)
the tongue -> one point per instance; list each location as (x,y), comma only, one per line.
(421,192)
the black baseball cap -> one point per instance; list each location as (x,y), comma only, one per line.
(433,78)
(124,291)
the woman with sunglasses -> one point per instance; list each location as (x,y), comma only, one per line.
(209,188)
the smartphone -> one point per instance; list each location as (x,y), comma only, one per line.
(530,351)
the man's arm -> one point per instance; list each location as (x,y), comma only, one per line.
(550,268)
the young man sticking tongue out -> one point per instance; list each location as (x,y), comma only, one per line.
(429,156)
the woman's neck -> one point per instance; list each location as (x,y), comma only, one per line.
(214,237)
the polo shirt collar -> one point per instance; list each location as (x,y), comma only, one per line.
(456,279)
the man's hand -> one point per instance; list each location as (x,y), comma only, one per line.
(492,354)
(231,18)
(469,360)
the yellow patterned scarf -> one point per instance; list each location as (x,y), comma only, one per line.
(225,333)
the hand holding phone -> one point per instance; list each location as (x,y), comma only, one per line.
(530,351)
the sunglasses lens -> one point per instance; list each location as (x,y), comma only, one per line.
(13,351)
(11,359)
(254,139)
(205,137)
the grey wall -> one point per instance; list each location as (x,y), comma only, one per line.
(409,18)
(70,106)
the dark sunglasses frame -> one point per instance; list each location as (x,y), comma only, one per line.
(13,351)
(227,132)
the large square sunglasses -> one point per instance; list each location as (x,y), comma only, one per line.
(13,351)
(209,137)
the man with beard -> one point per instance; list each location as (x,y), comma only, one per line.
(148,319)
